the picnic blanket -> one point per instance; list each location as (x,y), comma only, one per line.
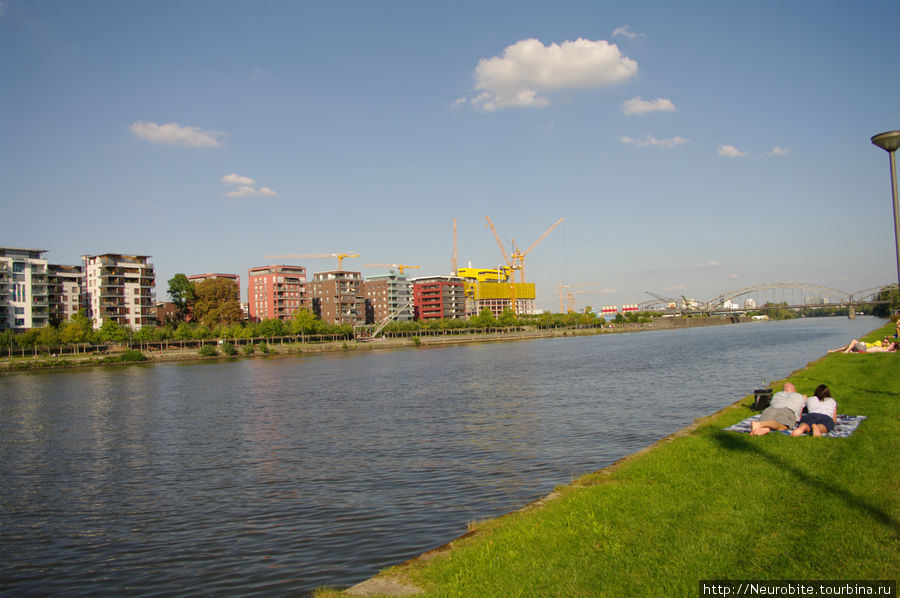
(844,426)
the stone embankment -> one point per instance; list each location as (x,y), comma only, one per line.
(418,339)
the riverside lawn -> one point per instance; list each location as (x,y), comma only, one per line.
(704,504)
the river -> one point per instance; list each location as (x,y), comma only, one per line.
(278,475)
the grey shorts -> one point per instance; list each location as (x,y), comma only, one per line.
(782,415)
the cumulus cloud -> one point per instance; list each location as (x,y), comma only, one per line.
(175,134)
(730,151)
(640,106)
(779,151)
(626,32)
(651,141)
(236,179)
(528,70)
(245,187)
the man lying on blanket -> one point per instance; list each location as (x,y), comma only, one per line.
(783,412)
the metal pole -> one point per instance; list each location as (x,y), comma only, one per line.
(896,214)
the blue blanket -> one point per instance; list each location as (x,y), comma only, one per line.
(844,426)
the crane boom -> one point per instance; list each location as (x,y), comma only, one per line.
(499,242)
(340,256)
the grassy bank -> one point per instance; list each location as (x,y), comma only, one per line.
(702,504)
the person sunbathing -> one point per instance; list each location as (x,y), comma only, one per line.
(782,413)
(856,346)
(821,414)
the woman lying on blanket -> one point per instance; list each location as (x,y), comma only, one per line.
(856,346)
(822,411)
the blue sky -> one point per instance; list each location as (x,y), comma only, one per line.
(692,147)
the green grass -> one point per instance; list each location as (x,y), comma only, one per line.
(707,504)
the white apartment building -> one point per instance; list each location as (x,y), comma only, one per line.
(65,288)
(23,288)
(120,288)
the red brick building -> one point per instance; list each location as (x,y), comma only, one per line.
(438,298)
(276,291)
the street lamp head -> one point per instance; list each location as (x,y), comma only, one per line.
(889,141)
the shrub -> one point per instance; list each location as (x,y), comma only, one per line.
(229,349)
(208,351)
(248,349)
(263,348)
(132,355)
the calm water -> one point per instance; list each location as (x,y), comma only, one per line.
(276,476)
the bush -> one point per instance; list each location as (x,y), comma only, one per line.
(263,348)
(248,349)
(229,349)
(208,351)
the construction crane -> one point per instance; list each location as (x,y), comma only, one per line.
(340,257)
(400,267)
(571,294)
(516,260)
(454,266)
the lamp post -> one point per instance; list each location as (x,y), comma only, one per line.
(889,142)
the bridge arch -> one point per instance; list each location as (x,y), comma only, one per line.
(841,297)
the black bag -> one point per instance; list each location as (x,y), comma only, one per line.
(761,398)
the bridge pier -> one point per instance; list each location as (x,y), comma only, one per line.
(851,311)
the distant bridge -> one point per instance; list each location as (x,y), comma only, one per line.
(775,295)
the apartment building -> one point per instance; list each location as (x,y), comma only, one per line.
(65,291)
(438,298)
(120,288)
(24,301)
(338,297)
(388,294)
(275,292)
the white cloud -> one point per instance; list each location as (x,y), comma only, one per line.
(733,276)
(779,151)
(639,106)
(626,32)
(458,103)
(236,179)
(730,151)
(651,141)
(710,264)
(245,187)
(175,134)
(529,69)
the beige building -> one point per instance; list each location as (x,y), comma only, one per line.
(120,288)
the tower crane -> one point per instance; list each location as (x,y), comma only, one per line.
(340,257)
(571,294)
(516,261)
(400,267)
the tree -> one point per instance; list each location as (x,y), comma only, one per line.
(113,332)
(217,301)
(305,322)
(77,329)
(883,310)
(508,318)
(182,294)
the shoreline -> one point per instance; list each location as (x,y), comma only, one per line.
(41,362)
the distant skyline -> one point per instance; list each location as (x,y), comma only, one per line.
(692,148)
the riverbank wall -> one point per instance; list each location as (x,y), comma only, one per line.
(292,346)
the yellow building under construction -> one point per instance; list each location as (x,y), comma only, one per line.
(493,288)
